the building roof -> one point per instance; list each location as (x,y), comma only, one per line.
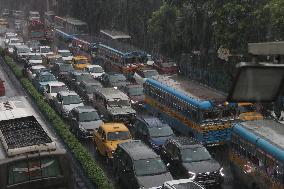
(112,93)
(138,150)
(115,34)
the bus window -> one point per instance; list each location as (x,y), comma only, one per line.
(32,169)
(210,115)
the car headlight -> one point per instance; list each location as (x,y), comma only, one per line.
(191,175)
(134,102)
(221,171)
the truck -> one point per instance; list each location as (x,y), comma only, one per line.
(36,30)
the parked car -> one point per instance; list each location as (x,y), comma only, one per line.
(141,75)
(8,36)
(52,88)
(33,45)
(65,101)
(51,59)
(33,59)
(190,159)
(182,184)
(95,70)
(108,136)
(80,62)
(66,55)
(60,70)
(11,44)
(33,70)
(73,79)
(113,80)
(21,53)
(137,166)
(41,79)
(86,90)
(136,94)
(45,50)
(83,121)
(167,66)
(113,105)
(152,131)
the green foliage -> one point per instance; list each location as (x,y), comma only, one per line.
(94,172)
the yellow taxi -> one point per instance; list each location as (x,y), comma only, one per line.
(108,136)
(247,112)
(80,62)
(4,22)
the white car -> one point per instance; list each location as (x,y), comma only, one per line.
(95,70)
(8,36)
(12,43)
(34,59)
(45,50)
(66,55)
(21,52)
(140,76)
(65,101)
(52,88)
(32,71)
(182,183)
(150,61)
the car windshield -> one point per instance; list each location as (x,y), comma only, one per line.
(118,103)
(135,91)
(81,61)
(119,135)
(45,50)
(195,154)
(71,99)
(47,78)
(65,54)
(35,57)
(15,41)
(150,73)
(88,116)
(148,167)
(38,70)
(168,64)
(91,88)
(160,131)
(84,77)
(96,70)
(117,78)
(247,108)
(23,50)
(56,89)
(66,68)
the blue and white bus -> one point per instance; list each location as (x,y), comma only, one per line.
(257,153)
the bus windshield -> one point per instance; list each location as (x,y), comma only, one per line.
(32,169)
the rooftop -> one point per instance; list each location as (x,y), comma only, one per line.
(138,150)
(190,88)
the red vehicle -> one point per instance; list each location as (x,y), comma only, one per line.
(36,30)
(2,88)
(165,66)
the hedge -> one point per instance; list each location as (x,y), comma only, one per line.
(93,171)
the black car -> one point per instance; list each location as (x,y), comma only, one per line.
(137,166)
(187,158)
(61,69)
(83,121)
(73,79)
(152,131)
(113,80)
(86,90)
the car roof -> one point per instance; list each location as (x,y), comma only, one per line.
(63,50)
(80,72)
(56,83)
(67,93)
(45,73)
(35,54)
(138,150)
(114,127)
(38,67)
(93,66)
(82,109)
(80,57)
(21,46)
(183,181)
(112,93)
(44,46)
(95,82)
(185,142)
(152,121)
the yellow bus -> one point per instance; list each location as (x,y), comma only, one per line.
(80,62)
